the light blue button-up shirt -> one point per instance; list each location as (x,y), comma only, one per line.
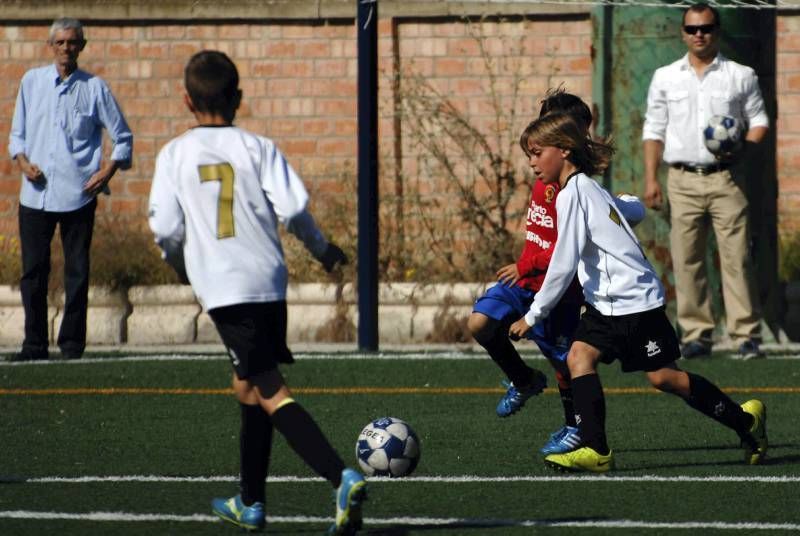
(58,125)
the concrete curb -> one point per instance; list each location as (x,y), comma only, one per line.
(167,318)
(318,313)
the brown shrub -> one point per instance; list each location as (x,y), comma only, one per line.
(123,255)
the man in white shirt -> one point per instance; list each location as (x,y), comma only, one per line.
(702,193)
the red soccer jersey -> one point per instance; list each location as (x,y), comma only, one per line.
(540,235)
(540,240)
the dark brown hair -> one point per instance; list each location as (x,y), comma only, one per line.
(559,129)
(212,82)
(558,100)
(700,8)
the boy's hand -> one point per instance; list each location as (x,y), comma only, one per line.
(333,257)
(508,275)
(172,253)
(518,329)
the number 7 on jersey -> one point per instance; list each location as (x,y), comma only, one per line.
(224,174)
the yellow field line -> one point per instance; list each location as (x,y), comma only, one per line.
(113,391)
(83,391)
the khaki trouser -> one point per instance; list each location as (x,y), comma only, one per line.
(698,203)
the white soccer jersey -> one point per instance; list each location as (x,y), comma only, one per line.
(218,194)
(595,240)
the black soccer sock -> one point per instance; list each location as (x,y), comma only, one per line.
(255,445)
(308,441)
(565,391)
(706,398)
(590,411)
(502,352)
(568,405)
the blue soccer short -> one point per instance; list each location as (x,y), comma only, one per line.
(553,335)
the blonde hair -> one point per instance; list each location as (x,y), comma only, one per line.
(559,129)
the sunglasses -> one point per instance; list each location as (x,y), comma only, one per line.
(691,29)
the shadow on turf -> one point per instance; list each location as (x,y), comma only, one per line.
(771,459)
(698,448)
(473,524)
(783,460)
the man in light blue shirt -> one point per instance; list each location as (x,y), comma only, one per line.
(56,139)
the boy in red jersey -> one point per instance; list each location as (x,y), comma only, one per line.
(517,285)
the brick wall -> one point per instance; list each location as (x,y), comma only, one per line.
(299,84)
(788,88)
(298,77)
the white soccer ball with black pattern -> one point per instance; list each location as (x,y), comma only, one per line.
(723,135)
(388,447)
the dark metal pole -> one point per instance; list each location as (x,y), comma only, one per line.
(367,28)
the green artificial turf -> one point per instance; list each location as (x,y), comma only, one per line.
(194,433)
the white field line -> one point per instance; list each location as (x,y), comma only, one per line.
(413,521)
(103,516)
(466,479)
(409,521)
(347,356)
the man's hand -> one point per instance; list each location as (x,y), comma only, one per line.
(518,329)
(97,183)
(508,275)
(333,257)
(653,153)
(653,196)
(746,150)
(30,170)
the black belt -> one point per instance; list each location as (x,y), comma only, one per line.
(700,170)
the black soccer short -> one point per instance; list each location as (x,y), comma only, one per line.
(254,335)
(640,341)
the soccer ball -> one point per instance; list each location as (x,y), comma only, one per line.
(723,135)
(387,447)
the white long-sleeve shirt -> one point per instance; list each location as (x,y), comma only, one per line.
(595,240)
(218,195)
(679,105)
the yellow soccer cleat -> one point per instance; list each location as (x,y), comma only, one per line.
(756,450)
(582,459)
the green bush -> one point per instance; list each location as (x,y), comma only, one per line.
(790,257)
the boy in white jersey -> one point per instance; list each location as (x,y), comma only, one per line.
(510,299)
(624,316)
(218,195)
